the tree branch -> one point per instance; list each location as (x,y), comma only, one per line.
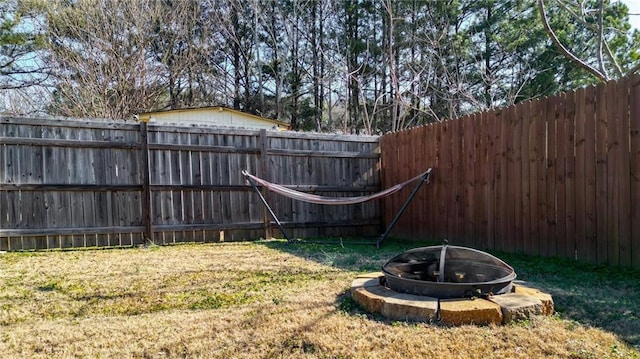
(598,29)
(603,69)
(564,50)
(634,69)
(613,59)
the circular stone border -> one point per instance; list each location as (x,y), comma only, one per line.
(523,302)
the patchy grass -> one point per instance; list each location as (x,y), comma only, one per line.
(272,300)
(608,298)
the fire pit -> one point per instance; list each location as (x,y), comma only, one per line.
(448,272)
(450,284)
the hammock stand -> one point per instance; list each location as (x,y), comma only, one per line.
(311,198)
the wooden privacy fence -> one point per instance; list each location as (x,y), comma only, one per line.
(557,176)
(73,183)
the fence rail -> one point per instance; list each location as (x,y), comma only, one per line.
(556,176)
(72,183)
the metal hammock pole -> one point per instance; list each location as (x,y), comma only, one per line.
(273,215)
(425,178)
(422,179)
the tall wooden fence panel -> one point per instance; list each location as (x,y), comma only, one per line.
(556,176)
(73,183)
(344,166)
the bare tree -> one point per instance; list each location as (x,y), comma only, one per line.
(24,101)
(397,110)
(179,40)
(100,55)
(355,66)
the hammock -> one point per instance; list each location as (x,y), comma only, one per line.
(313,198)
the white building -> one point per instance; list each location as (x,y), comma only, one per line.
(214,116)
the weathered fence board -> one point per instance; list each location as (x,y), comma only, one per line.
(545,144)
(587,250)
(624,179)
(569,159)
(502,124)
(72,183)
(525,162)
(549,208)
(446,203)
(560,176)
(468,205)
(481,171)
(601,173)
(515,178)
(613,170)
(634,160)
(559,196)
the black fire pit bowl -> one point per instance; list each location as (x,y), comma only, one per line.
(448,272)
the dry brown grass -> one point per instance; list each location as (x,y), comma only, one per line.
(241,300)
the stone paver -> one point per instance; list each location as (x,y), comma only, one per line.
(469,311)
(364,282)
(372,298)
(403,306)
(371,275)
(545,298)
(516,306)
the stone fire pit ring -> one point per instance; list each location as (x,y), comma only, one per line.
(370,293)
(451,284)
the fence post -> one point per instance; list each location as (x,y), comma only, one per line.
(262,164)
(146,184)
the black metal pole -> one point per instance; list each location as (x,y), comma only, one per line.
(273,215)
(425,178)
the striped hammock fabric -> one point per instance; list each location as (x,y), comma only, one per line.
(313,198)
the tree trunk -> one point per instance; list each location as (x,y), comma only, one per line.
(237,76)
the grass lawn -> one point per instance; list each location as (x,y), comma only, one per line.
(273,300)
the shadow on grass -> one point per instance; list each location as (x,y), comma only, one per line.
(598,296)
(603,297)
(343,254)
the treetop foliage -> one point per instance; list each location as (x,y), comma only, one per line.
(355,66)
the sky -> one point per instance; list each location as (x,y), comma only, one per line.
(634,8)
